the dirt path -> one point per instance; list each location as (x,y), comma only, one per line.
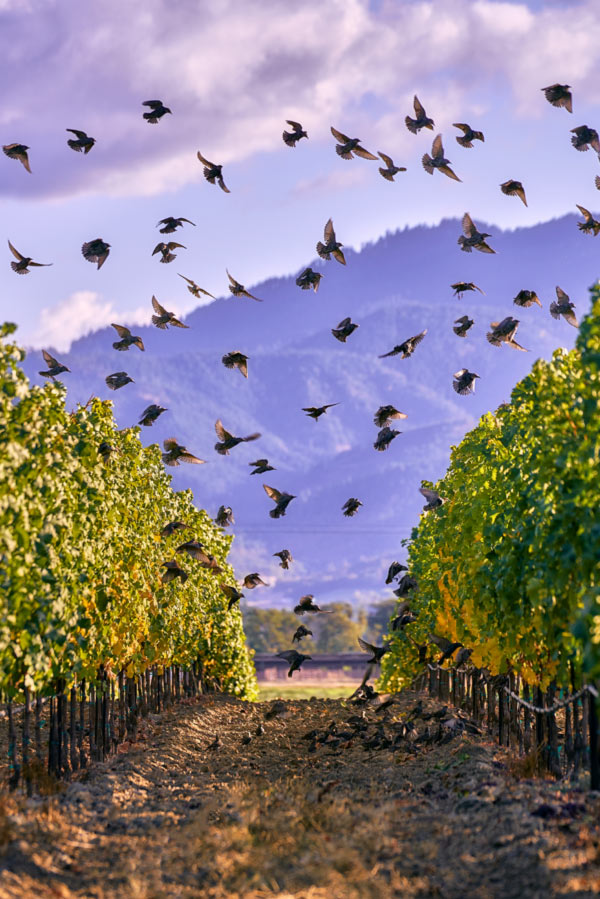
(336,815)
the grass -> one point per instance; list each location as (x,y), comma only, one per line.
(303,691)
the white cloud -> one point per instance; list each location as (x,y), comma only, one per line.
(79,314)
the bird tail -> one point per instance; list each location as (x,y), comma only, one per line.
(411,124)
(150,117)
(15,268)
(74,145)
(427,163)
(345,154)
(462,242)
(491,338)
(276,512)
(159,324)
(321,250)
(289,139)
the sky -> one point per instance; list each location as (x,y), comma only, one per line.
(232,72)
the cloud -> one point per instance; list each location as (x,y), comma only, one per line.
(79,314)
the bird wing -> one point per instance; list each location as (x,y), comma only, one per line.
(121,330)
(344,322)
(419,337)
(204,161)
(310,409)
(387,159)
(159,248)
(181,219)
(366,647)
(446,170)
(440,642)
(172,245)
(426,491)
(170,444)
(153,104)
(222,434)
(329,405)
(343,138)
(463,127)
(160,310)
(295,125)
(468,226)
(337,254)
(189,281)
(272,493)
(15,252)
(80,134)
(419,108)
(364,154)
(191,459)
(329,233)
(562,296)
(585,212)
(48,359)
(233,282)
(437,148)
(290,655)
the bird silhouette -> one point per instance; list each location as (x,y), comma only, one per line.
(377,652)
(464,381)
(213,173)
(232,593)
(473,239)
(301,632)
(23,264)
(127,339)
(437,160)
(238,290)
(394,570)
(82,142)
(526,298)
(462,325)
(175,453)
(236,360)
(286,558)
(406,348)
(294,658)
(384,438)
(170,224)
(173,571)
(348,146)
(117,380)
(407,584)
(54,367)
(163,319)
(563,307)
(331,247)
(420,120)
(291,138)
(261,466)
(597,181)
(308,279)
(158,110)
(386,414)
(106,451)
(345,328)
(227,441)
(504,332)
(280,498)
(584,138)
(253,580)
(390,169)
(590,225)
(461,287)
(448,648)
(150,414)
(306,605)
(165,250)
(224,517)
(18,152)
(462,656)
(316,411)
(468,135)
(514,189)
(351,507)
(96,251)
(172,527)
(434,500)
(559,95)
(194,289)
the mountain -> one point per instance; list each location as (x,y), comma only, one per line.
(393,288)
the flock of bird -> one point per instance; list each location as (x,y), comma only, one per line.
(97,251)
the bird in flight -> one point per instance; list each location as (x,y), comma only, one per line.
(464,381)
(434,500)
(345,328)
(384,438)
(316,411)
(227,441)
(127,339)
(236,360)
(253,580)
(294,658)
(176,452)
(406,348)
(461,288)
(54,366)
(18,152)
(292,137)
(306,604)
(280,498)
(390,169)
(351,507)
(157,111)
(526,298)
(437,160)
(590,225)
(82,143)
(224,517)
(468,135)
(232,594)
(165,250)
(420,120)
(301,631)
(238,290)
(448,648)
(171,224)
(23,263)
(172,527)
(377,652)
(386,414)
(462,325)
(331,247)
(117,380)
(261,466)
(559,95)
(150,414)
(285,556)
(194,289)
(349,145)
(173,571)
(96,251)
(394,570)
(584,138)
(563,307)
(308,279)
(213,173)
(504,332)
(473,239)
(163,319)
(514,189)
(406,585)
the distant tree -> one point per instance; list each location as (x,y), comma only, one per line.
(272,630)
(378,618)
(338,631)
(269,630)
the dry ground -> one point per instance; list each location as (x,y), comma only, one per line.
(286,816)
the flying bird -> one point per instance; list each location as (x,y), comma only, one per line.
(176,452)
(127,339)
(464,381)
(394,570)
(18,152)
(165,250)
(301,632)
(420,120)
(172,527)
(54,367)
(213,173)
(448,648)
(227,440)
(331,247)
(21,267)
(473,239)
(405,616)
(238,290)
(597,181)
(173,571)
(170,224)
(196,550)
(526,298)
(307,605)
(434,500)
(349,145)
(384,438)
(386,414)
(294,658)
(224,517)
(316,411)
(82,142)
(117,380)
(462,325)
(253,580)
(462,656)
(514,189)
(351,507)
(232,594)
(563,307)
(150,414)
(285,556)
(158,111)
(504,332)
(292,137)
(236,360)
(437,160)
(468,135)
(407,348)
(194,289)
(407,584)
(345,328)
(280,498)
(390,169)
(308,279)
(584,138)
(96,251)
(163,319)
(590,225)
(559,95)
(377,652)
(461,288)
(106,451)
(261,466)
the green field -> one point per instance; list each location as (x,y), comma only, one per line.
(303,691)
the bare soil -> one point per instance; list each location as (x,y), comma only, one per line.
(392,803)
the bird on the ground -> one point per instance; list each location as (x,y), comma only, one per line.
(377,652)
(216,743)
(127,339)
(437,160)
(21,267)
(18,152)
(390,169)
(584,138)
(117,380)
(194,289)
(464,381)
(246,739)
(163,319)
(176,452)
(461,287)
(165,250)
(285,556)
(170,224)
(232,593)
(345,328)
(172,527)
(96,250)
(526,298)
(384,438)
(260,729)
(559,95)
(306,604)
(349,145)
(173,571)
(394,570)
(150,414)
(351,507)
(238,290)
(407,584)
(227,441)
(54,366)
(82,142)
(590,225)
(158,110)
(386,414)
(504,332)
(563,307)
(106,450)
(331,245)
(420,120)
(462,656)
(406,348)
(473,239)
(213,173)
(280,498)
(308,279)
(514,189)
(224,517)
(316,411)
(253,580)
(291,138)
(468,135)
(301,632)
(236,360)
(448,648)
(294,658)
(260,466)
(462,325)
(434,500)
